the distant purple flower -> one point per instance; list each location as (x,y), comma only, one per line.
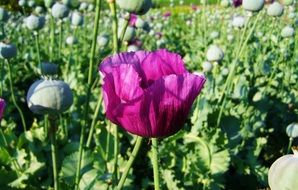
(167,14)
(2,107)
(237,3)
(194,7)
(149,93)
(136,42)
(132,20)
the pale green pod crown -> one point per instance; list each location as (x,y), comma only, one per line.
(275,9)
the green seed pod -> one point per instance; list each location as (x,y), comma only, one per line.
(283,173)
(225,3)
(215,53)
(49,68)
(288,32)
(275,9)
(253,5)
(7,51)
(102,40)
(292,130)
(49,97)
(138,7)
(3,15)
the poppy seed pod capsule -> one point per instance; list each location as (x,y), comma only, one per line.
(31,3)
(102,40)
(3,15)
(129,33)
(225,3)
(83,6)
(138,7)
(292,130)
(253,5)
(49,97)
(22,3)
(275,9)
(71,40)
(288,32)
(38,9)
(49,3)
(49,69)
(2,107)
(34,22)
(60,11)
(7,51)
(77,19)
(214,53)
(238,22)
(207,66)
(283,172)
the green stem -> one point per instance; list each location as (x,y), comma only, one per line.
(290,145)
(90,76)
(155,163)
(130,162)
(93,122)
(38,51)
(112,6)
(13,96)
(52,39)
(126,22)
(60,39)
(53,150)
(1,78)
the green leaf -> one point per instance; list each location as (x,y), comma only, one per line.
(20,182)
(69,164)
(4,156)
(220,162)
(34,165)
(91,180)
(169,179)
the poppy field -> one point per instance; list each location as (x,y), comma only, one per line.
(148,94)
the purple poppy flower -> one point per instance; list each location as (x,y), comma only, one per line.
(149,93)
(194,7)
(167,14)
(2,107)
(237,3)
(132,20)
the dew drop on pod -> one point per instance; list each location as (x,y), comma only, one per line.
(292,130)
(60,11)
(7,51)
(3,15)
(214,53)
(275,9)
(49,3)
(49,69)
(253,5)
(34,22)
(288,32)
(138,7)
(77,19)
(283,172)
(49,97)
(102,40)
(287,2)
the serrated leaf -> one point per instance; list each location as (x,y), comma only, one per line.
(220,162)
(69,164)
(168,177)
(21,157)
(34,165)
(91,180)
(20,182)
